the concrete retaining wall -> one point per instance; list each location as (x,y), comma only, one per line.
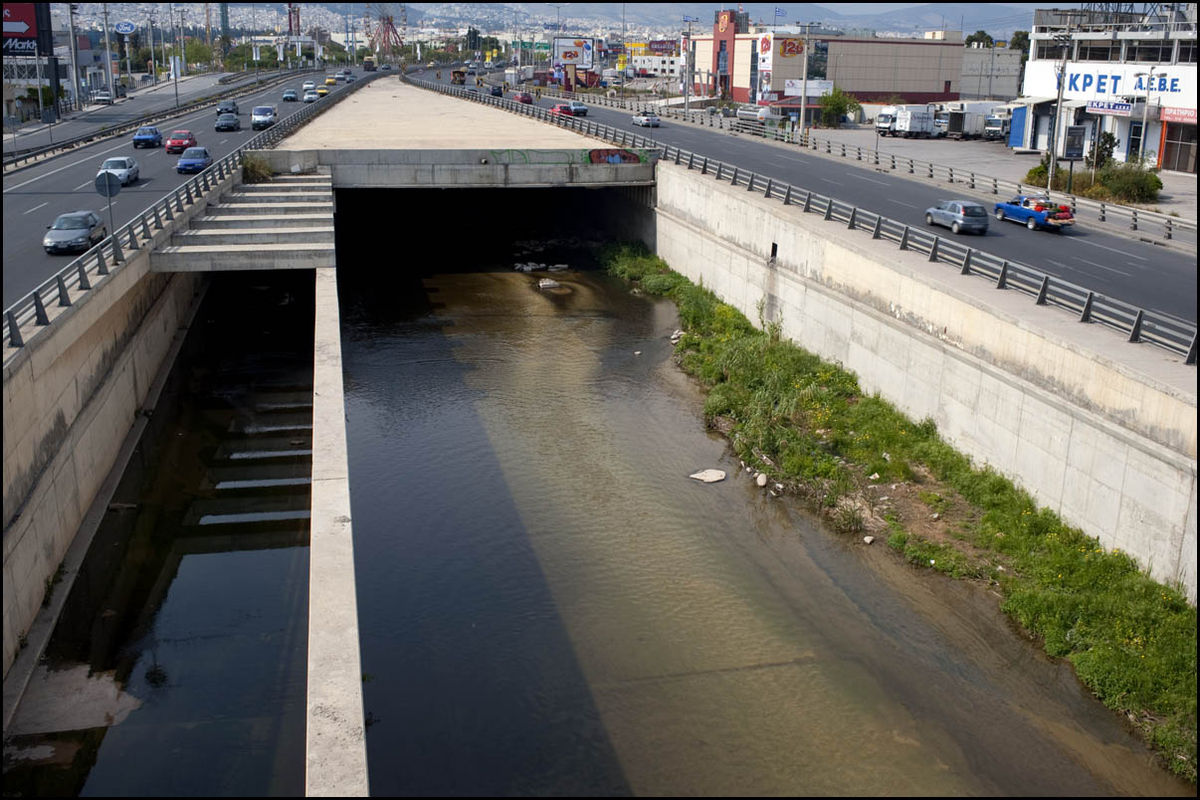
(1098,430)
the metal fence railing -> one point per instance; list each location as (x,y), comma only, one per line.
(32,315)
(1137,324)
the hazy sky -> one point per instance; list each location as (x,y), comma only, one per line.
(951,8)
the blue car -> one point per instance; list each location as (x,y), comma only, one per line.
(194,159)
(147,136)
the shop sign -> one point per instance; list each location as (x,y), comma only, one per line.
(1184,115)
(1110,107)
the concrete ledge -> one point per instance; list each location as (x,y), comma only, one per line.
(217,258)
(247,222)
(256,235)
(253,208)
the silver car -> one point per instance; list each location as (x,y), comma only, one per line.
(123,167)
(74,231)
(958,216)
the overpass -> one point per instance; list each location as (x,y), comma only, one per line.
(1100,430)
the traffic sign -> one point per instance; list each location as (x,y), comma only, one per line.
(108,185)
(125,28)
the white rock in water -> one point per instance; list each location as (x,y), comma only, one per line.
(637,352)
(557,267)
(761,479)
(868,539)
(548,283)
(709,475)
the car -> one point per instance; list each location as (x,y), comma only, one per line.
(350,78)
(228,122)
(102,96)
(194,159)
(311,96)
(262,117)
(578,109)
(496,91)
(290,96)
(958,216)
(330,80)
(322,91)
(340,77)
(470,70)
(179,141)
(561,110)
(1035,211)
(124,167)
(346,71)
(385,67)
(74,231)
(308,85)
(147,136)
(646,120)
(523,97)
(227,107)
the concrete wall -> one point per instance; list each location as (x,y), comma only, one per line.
(70,397)
(1098,430)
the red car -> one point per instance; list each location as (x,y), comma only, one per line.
(179,141)
(562,110)
(523,97)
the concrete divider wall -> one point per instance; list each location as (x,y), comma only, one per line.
(1098,430)
(70,397)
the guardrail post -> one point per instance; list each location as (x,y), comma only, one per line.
(1086,316)
(1002,281)
(853,215)
(911,167)
(966,265)
(767,193)
(875,234)
(1102,210)
(133,242)
(843,149)
(1191,353)
(1169,228)
(933,251)
(39,309)
(101,267)
(178,203)
(1135,334)
(995,187)
(158,224)
(146,230)
(188,189)
(84,283)
(949,173)
(859,156)
(807,201)
(904,239)
(704,166)
(829,208)
(64,299)
(1133,220)
(15,340)
(828,146)
(893,162)
(1041,298)
(971,181)
(787,195)
(931,170)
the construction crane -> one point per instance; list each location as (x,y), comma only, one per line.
(379,21)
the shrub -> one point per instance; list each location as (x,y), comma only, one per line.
(1131,182)
(255,169)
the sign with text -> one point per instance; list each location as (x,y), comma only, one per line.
(1174,83)
(574,52)
(21,29)
(1073,141)
(1113,108)
(1186,115)
(792,87)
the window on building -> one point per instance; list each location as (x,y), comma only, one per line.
(1179,148)
(1048,51)
(1187,52)
(1100,51)
(1149,52)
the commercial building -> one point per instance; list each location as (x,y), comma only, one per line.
(1124,72)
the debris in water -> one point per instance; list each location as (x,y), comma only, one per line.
(709,475)
(548,283)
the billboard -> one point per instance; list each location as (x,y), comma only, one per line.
(792,87)
(27,29)
(663,47)
(574,52)
(765,46)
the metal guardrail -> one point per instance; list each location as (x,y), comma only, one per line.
(1138,324)
(26,157)
(32,315)
(1141,221)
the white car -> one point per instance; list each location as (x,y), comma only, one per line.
(309,86)
(262,117)
(311,96)
(124,167)
(102,96)
(646,120)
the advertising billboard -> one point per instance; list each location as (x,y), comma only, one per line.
(663,47)
(21,29)
(574,52)
(792,87)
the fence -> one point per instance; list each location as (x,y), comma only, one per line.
(1137,324)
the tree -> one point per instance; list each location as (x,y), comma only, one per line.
(1102,150)
(198,52)
(983,37)
(1020,41)
(835,105)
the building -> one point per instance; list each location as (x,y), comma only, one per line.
(928,70)
(990,73)
(1123,70)
(656,66)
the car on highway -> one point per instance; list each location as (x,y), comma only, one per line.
(102,96)
(523,97)
(350,78)
(179,141)
(1035,211)
(194,159)
(147,136)
(124,168)
(578,109)
(311,96)
(308,85)
(646,120)
(561,110)
(496,91)
(322,91)
(227,122)
(290,96)
(74,231)
(346,71)
(958,216)
(331,80)
(227,107)
(262,117)
(385,67)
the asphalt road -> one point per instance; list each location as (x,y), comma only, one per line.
(34,197)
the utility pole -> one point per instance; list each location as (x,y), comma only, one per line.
(71,8)
(1064,40)
(107,55)
(804,90)
(687,75)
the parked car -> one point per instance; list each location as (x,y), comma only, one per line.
(646,120)
(561,110)
(523,97)
(262,117)
(308,85)
(578,109)
(322,91)
(74,231)
(958,216)
(228,122)
(290,96)
(227,107)
(179,141)
(311,96)
(147,136)
(1035,211)
(194,159)
(102,96)
(124,167)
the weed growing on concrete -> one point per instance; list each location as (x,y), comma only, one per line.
(1132,640)
(255,169)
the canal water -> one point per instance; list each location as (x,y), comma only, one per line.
(548,605)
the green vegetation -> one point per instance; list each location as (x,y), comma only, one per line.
(835,105)
(1130,183)
(255,169)
(1131,640)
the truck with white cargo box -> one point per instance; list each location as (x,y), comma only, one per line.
(913,122)
(964,125)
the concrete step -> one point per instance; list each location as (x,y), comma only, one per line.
(235,257)
(291,236)
(253,208)
(300,178)
(306,186)
(276,197)
(262,221)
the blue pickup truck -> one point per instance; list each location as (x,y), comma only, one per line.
(1035,211)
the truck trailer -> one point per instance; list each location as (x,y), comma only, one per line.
(964,124)
(913,122)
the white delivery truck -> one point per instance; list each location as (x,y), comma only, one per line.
(965,125)
(885,120)
(913,122)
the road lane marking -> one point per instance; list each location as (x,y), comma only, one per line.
(872,180)
(80,186)
(902,203)
(1113,250)
(1101,266)
(35,208)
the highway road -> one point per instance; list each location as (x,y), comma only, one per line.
(33,197)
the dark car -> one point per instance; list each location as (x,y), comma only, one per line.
(147,136)
(497,91)
(194,159)
(74,231)
(227,107)
(179,141)
(228,122)
(289,96)
(523,97)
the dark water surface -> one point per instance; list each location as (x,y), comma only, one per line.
(548,605)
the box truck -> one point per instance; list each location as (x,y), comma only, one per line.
(913,122)
(964,124)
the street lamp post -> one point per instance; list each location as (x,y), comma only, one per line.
(1149,76)
(687,68)
(1063,40)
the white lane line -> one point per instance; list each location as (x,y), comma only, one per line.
(1102,266)
(902,203)
(223,141)
(835,183)
(35,208)
(1113,250)
(80,186)
(84,160)
(871,180)
(1058,264)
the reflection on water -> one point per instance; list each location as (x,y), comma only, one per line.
(549,606)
